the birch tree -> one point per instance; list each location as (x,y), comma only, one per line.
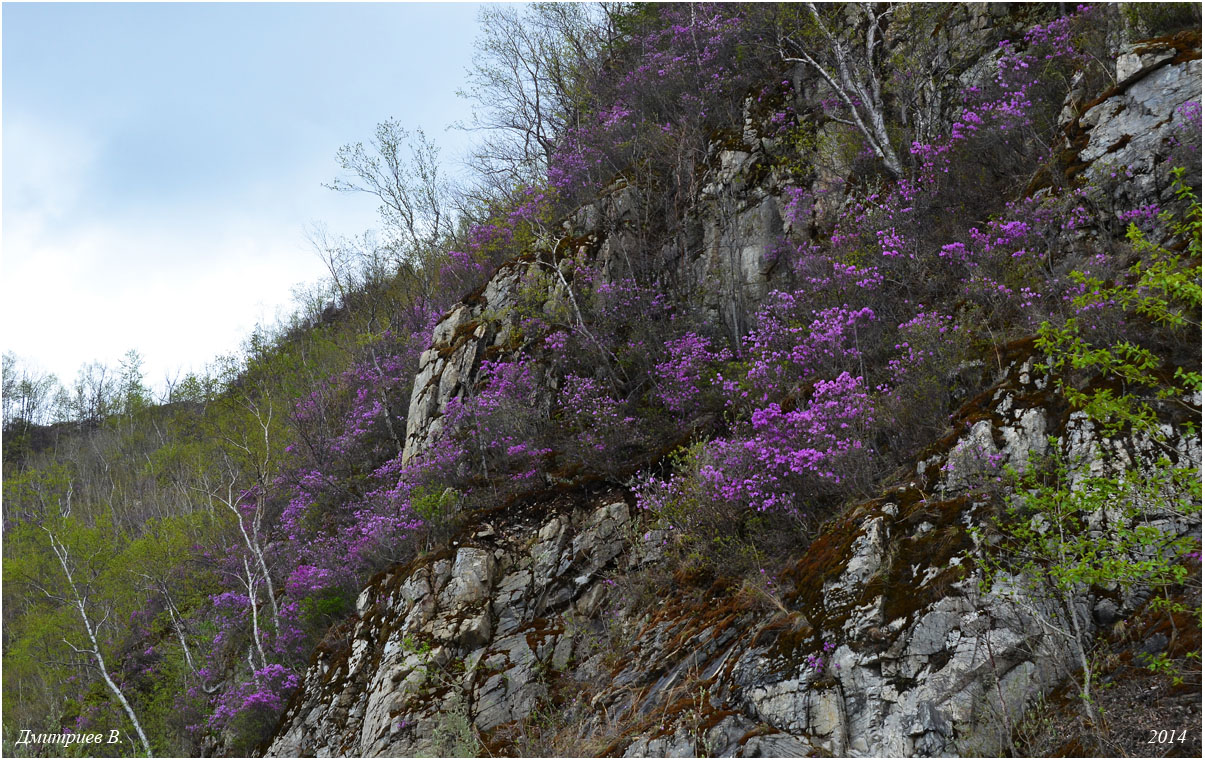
(73,581)
(161,565)
(401,170)
(848,57)
(530,78)
(248,505)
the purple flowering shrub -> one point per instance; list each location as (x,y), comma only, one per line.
(814,447)
(599,436)
(335,518)
(1186,143)
(802,415)
(248,712)
(629,321)
(792,345)
(674,80)
(504,229)
(918,386)
(497,425)
(616,367)
(851,355)
(890,291)
(349,428)
(689,379)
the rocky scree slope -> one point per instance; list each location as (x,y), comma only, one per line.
(880,640)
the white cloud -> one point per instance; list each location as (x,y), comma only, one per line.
(46,168)
(181,292)
(181,284)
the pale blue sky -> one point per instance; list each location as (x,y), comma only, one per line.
(162,161)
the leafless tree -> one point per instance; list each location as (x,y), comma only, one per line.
(848,57)
(28,395)
(252,451)
(530,77)
(401,170)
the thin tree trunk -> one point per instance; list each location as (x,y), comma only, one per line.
(255,635)
(857,79)
(263,564)
(60,551)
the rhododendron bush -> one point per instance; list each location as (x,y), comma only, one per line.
(888,289)
(852,355)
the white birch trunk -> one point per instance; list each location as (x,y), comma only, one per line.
(60,551)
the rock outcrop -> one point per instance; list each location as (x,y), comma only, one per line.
(879,641)
(1122,139)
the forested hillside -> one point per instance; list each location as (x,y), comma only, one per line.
(769,348)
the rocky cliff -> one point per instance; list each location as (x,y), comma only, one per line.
(878,641)
(541,619)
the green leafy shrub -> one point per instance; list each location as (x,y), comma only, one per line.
(436,507)
(1155,306)
(1066,532)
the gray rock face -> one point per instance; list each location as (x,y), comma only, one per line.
(881,642)
(459,342)
(732,264)
(1131,134)
(475,634)
(1135,60)
(1133,125)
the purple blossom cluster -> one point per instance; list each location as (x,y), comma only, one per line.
(688,373)
(497,420)
(262,696)
(783,453)
(680,77)
(595,421)
(805,409)
(818,661)
(784,351)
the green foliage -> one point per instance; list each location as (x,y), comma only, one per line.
(434,505)
(455,736)
(1168,286)
(133,395)
(35,493)
(1164,289)
(1053,534)
(194,389)
(43,618)
(832,147)
(1162,663)
(161,686)
(1067,531)
(710,534)
(1124,361)
(321,609)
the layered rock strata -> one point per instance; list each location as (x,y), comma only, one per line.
(879,641)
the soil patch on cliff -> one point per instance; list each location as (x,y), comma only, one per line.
(1144,712)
